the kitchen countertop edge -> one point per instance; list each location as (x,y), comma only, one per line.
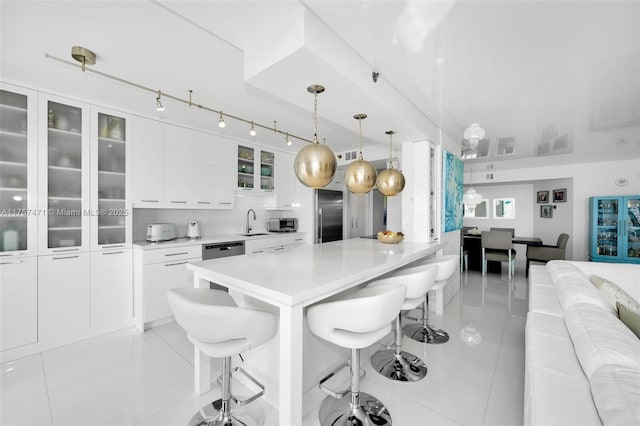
(211,239)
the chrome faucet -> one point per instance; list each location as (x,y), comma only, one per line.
(254,218)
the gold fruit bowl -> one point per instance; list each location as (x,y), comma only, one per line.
(390,239)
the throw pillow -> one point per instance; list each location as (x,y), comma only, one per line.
(630,318)
(613,293)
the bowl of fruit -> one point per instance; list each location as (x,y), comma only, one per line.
(390,237)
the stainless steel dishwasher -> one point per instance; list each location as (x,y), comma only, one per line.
(218,250)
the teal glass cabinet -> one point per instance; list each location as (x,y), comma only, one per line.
(614,234)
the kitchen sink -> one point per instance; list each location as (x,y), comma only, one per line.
(257,233)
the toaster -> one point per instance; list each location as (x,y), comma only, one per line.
(161,232)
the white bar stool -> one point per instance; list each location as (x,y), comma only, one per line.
(356,322)
(422,331)
(221,329)
(396,364)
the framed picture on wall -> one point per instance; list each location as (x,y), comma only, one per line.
(543,196)
(560,195)
(546,211)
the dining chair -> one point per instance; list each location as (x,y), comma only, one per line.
(546,253)
(512,230)
(496,246)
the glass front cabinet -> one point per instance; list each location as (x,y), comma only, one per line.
(63,150)
(615,229)
(18,171)
(110,211)
(255,169)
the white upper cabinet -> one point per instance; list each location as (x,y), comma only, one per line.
(148,162)
(18,171)
(285,181)
(179,167)
(63,175)
(212,175)
(178,164)
(256,169)
(110,179)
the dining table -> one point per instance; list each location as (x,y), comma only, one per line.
(292,280)
(473,245)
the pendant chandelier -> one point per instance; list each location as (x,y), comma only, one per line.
(360,176)
(473,134)
(471,198)
(390,180)
(315,164)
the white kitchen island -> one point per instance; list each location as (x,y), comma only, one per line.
(291,280)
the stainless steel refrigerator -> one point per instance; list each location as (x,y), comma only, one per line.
(329,211)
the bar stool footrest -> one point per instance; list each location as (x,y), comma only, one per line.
(258,394)
(326,382)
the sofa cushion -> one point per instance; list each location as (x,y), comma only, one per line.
(559,269)
(629,318)
(616,394)
(556,390)
(572,290)
(599,338)
(614,294)
(625,275)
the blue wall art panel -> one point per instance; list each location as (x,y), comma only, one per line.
(452,212)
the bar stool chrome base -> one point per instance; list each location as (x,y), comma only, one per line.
(369,412)
(212,415)
(403,367)
(425,334)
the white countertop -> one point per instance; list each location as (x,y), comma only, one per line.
(210,239)
(310,273)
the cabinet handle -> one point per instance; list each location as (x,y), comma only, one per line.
(226,203)
(113,246)
(299,239)
(203,202)
(179,202)
(113,252)
(65,257)
(149,201)
(174,264)
(177,254)
(278,248)
(64,250)
(257,251)
(10,254)
(13,262)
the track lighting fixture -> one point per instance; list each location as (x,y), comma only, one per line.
(159,105)
(252,132)
(221,122)
(286,138)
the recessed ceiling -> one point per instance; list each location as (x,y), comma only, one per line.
(561,78)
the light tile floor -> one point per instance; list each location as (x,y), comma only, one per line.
(131,378)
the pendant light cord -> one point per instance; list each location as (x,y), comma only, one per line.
(391,150)
(315,118)
(360,137)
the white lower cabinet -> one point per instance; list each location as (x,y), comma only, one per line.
(156,271)
(111,288)
(63,294)
(18,302)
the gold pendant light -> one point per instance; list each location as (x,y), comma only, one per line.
(390,181)
(315,164)
(360,176)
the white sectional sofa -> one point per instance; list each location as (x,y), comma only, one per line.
(582,362)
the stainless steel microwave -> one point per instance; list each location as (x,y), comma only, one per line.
(285,224)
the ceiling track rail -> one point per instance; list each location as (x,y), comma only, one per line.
(188,102)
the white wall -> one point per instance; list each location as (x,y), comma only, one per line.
(562,221)
(524,210)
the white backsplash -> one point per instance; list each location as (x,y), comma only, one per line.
(212,222)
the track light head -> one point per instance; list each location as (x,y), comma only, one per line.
(252,132)
(159,105)
(221,122)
